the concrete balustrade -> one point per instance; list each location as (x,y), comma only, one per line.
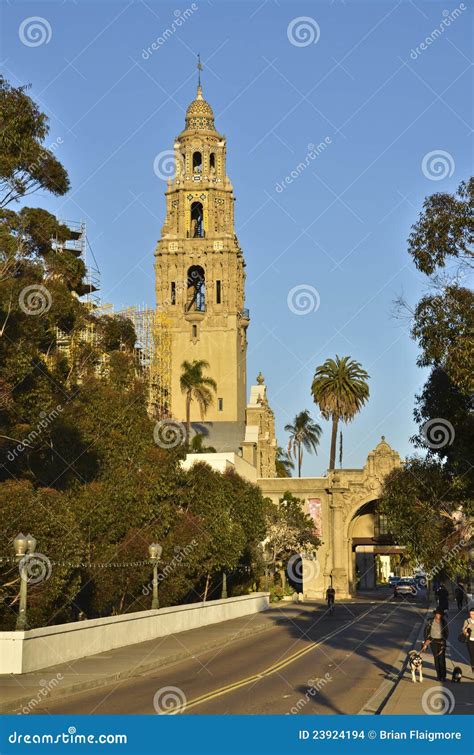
(21,652)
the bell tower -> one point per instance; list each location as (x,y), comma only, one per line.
(199,269)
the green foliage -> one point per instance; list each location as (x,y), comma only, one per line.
(427,515)
(25,164)
(444,230)
(443,324)
(46,514)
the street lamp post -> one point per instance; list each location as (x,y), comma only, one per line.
(24,548)
(224,585)
(155,550)
(267,560)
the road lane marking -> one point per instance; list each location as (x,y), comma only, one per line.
(275,667)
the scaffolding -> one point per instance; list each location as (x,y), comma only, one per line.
(152,328)
(153,355)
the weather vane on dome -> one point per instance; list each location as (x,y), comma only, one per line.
(199,67)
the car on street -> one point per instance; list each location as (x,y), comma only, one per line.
(392,581)
(406,586)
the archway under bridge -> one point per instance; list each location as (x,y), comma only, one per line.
(342,506)
(369,537)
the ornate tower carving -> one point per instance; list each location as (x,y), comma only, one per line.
(200,269)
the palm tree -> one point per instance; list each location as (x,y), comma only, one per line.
(196,386)
(340,389)
(283,463)
(197,445)
(304,434)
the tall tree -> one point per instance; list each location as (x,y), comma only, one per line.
(340,389)
(304,435)
(196,387)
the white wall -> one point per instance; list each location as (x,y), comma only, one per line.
(35,649)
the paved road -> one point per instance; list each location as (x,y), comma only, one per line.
(308,662)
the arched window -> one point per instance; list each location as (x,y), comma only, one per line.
(196,293)
(197,225)
(212,162)
(197,162)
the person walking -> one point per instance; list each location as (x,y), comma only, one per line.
(436,635)
(468,632)
(459,595)
(330,598)
(443,598)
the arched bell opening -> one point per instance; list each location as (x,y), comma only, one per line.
(196,291)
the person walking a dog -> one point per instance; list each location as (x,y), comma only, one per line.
(436,635)
(468,632)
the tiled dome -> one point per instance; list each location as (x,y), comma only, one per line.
(199,114)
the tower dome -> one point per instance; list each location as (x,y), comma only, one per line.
(199,114)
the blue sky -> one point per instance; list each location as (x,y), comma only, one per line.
(354,78)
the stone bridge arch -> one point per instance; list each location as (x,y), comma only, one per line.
(340,500)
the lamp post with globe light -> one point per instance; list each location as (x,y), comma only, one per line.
(24,549)
(155,550)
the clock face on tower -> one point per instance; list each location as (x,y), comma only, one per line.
(199,269)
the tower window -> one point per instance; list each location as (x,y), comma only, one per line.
(197,162)
(195,331)
(212,162)
(220,404)
(218,292)
(196,293)
(173,292)
(197,225)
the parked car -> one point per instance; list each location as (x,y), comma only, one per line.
(406,586)
(392,581)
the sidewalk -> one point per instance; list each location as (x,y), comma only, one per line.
(434,697)
(20,691)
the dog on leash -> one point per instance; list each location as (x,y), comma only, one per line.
(415,663)
(457,674)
